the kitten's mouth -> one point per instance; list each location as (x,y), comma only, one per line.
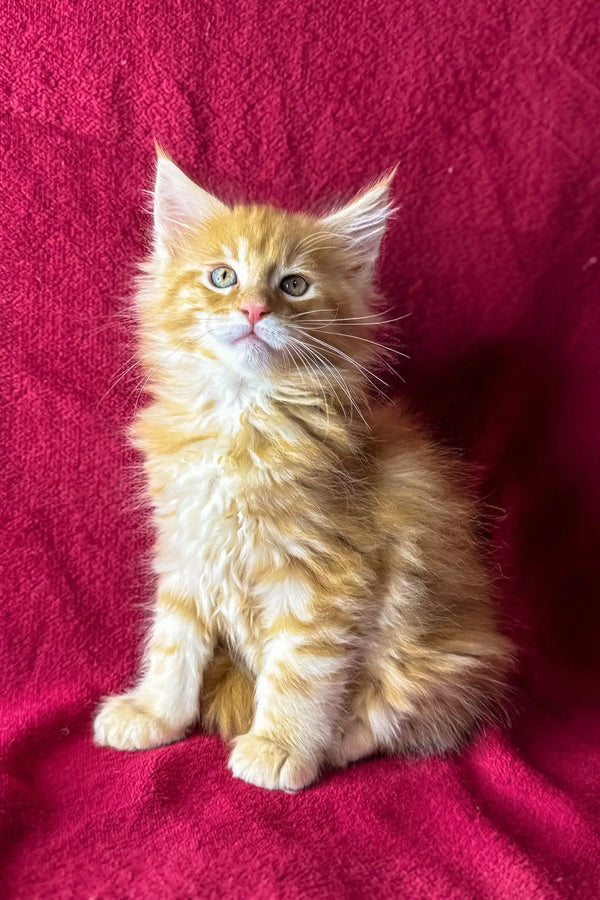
(249,336)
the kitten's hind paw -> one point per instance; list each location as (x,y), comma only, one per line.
(357,743)
(265,763)
(121,722)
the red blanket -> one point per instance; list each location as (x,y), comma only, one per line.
(492,111)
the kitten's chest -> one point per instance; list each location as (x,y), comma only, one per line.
(203,512)
(211,540)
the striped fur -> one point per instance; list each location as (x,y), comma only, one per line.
(320,593)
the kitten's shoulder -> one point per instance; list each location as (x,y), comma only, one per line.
(163,429)
(396,429)
(407,451)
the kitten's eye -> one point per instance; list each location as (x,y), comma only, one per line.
(223,277)
(294,285)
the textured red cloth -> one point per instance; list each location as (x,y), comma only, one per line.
(492,111)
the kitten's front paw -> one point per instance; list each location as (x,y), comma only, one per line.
(266,764)
(121,722)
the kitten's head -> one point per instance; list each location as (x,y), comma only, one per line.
(260,290)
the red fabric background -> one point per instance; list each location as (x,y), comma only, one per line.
(492,111)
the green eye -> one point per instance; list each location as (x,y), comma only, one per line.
(223,277)
(294,285)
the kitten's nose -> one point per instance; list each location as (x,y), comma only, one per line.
(255,311)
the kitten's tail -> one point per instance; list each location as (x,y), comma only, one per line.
(227,697)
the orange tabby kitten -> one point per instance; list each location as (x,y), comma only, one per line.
(320,596)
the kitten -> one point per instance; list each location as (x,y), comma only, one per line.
(320,595)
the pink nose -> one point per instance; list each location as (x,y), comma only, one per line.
(255,311)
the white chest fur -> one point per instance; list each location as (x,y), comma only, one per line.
(211,540)
(208,545)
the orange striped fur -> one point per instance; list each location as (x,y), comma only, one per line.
(320,593)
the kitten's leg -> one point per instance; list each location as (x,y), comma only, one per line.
(357,742)
(428,702)
(227,699)
(369,727)
(299,697)
(165,702)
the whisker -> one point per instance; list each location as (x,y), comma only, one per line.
(366,372)
(333,372)
(368,341)
(308,312)
(112,386)
(152,371)
(352,319)
(315,240)
(341,380)
(299,351)
(367,375)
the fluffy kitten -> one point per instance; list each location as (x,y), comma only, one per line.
(320,596)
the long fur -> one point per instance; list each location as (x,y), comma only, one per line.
(320,592)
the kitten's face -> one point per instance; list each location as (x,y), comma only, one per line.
(261,290)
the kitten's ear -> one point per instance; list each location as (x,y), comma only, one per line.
(179,203)
(362,222)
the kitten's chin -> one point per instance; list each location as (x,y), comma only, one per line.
(250,354)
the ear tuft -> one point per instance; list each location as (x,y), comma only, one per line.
(362,222)
(179,203)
